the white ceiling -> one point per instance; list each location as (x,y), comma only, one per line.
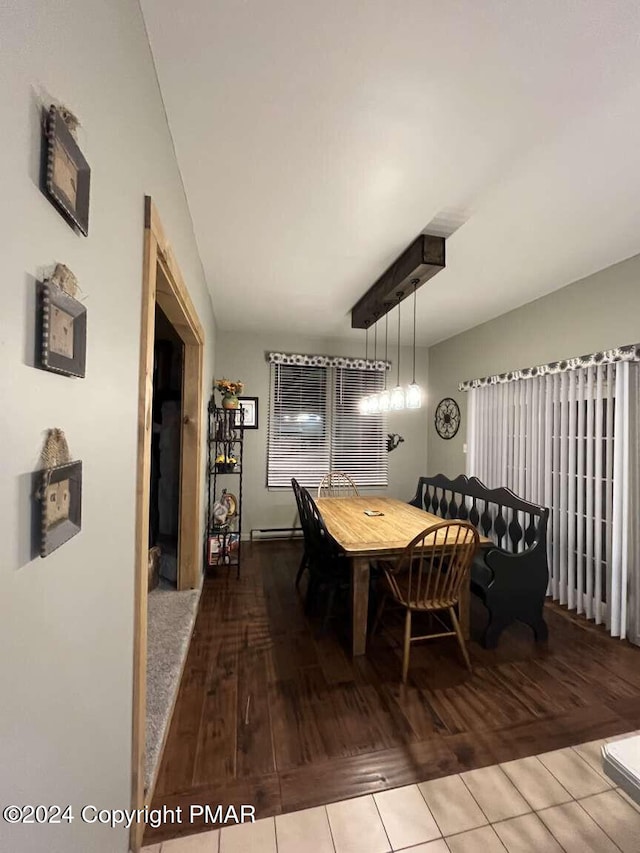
(317,139)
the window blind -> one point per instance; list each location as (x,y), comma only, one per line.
(315,426)
(358,442)
(564,440)
(298,425)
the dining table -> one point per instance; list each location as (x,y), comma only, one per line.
(368,528)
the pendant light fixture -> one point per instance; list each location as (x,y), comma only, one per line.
(364,402)
(385,395)
(397,395)
(374,399)
(414,393)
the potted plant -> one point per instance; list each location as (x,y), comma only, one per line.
(229,391)
(225,464)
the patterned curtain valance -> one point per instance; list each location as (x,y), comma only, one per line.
(631,352)
(327,361)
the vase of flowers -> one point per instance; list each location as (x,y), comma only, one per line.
(229,391)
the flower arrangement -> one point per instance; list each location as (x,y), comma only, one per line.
(229,460)
(225,464)
(225,386)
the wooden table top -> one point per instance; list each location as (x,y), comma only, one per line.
(362,535)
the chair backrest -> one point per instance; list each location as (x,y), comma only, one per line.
(302,511)
(321,545)
(512,522)
(295,485)
(337,484)
(436,563)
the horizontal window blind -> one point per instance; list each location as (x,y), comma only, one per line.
(358,442)
(298,425)
(315,426)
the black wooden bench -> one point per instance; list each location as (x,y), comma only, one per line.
(511,578)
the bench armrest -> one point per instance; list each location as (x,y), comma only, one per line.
(519,573)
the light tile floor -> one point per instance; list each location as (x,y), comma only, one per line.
(550,803)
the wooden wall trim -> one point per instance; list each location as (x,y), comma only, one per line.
(191,468)
(162,283)
(143,473)
(172,270)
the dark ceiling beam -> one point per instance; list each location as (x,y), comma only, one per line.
(420,262)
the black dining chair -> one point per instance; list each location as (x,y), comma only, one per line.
(328,571)
(304,562)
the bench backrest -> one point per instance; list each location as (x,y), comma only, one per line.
(513,523)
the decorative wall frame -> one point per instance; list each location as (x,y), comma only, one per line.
(67,176)
(60,496)
(249,405)
(447,418)
(63,331)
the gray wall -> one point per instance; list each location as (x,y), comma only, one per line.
(66,622)
(242,356)
(598,312)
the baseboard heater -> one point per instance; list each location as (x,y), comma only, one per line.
(275,533)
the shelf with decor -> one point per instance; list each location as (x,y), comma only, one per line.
(225,442)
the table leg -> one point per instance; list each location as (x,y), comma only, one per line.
(464,606)
(359,603)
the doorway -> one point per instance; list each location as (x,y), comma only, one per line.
(164,502)
(164,295)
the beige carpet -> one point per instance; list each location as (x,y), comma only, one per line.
(171,615)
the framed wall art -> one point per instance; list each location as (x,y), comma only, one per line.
(67,176)
(62,331)
(249,406)
(60,497)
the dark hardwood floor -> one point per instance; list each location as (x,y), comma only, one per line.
(271,716)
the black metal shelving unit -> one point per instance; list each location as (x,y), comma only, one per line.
(225,437)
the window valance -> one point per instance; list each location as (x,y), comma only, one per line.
(631,352)
(327,361)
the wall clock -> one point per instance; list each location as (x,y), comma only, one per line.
(447,419)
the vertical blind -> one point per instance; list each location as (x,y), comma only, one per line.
(315,426)
(566,441)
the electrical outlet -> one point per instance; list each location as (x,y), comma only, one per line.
(464,447)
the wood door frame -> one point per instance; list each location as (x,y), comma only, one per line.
(162,284)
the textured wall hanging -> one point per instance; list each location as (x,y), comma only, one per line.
(59,494)
(66,173)
(62,324)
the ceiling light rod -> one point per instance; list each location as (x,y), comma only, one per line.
(420,261)
(399,301)
(364,402)
(413,397)
(374,399)
(386,348)
(384,396)
(415,287)
(375,339)
(397,395)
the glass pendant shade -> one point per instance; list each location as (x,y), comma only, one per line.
(374,404)
(413,398)
(397,398)
(384,398)
(364,406)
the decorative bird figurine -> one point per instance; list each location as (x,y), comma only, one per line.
(393,440)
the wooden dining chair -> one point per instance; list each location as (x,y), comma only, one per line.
(337,484)
(428,577)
